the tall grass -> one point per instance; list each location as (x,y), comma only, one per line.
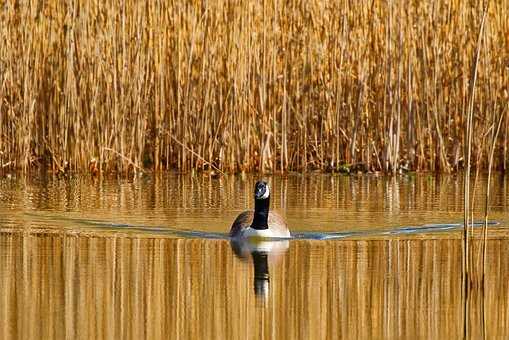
(469,269)
(249,85)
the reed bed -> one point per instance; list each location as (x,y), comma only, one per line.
(249,85)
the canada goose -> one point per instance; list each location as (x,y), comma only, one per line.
(260,222)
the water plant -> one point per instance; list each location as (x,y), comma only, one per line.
(247,86)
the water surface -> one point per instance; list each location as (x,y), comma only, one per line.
(149,258)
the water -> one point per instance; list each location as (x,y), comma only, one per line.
(374,257)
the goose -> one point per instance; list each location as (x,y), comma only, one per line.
(260,223)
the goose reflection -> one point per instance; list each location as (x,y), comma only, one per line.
(262,252)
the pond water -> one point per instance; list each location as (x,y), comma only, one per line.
(373,257)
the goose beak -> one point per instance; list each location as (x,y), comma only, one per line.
(259,192)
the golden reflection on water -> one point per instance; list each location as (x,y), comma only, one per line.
(62,277)
(308,202)
(82,285)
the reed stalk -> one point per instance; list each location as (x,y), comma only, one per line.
(469,128)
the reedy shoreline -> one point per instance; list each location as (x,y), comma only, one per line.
(250,86)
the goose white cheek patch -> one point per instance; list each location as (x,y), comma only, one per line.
(266,194)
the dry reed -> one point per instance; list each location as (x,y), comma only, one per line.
(247,86)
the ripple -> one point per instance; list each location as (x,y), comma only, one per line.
(301,235)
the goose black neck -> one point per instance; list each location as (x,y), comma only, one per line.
(261,214)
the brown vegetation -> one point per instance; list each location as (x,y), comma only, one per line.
(251,85)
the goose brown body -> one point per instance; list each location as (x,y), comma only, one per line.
(276,223)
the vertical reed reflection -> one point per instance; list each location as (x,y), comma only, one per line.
(318,202)
(109,286)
